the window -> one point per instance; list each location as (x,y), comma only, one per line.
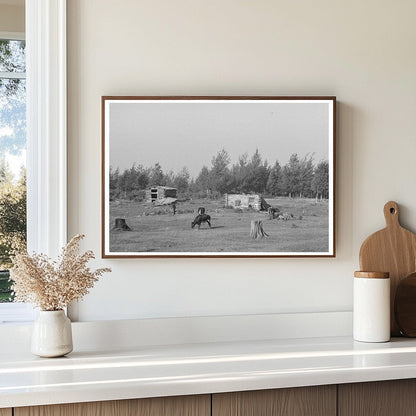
(46,133)
(12,154)
(12,165)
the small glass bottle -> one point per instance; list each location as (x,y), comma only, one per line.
(371,311)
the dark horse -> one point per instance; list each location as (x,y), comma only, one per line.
(199,219)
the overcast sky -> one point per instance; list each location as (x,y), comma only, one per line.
(177,134)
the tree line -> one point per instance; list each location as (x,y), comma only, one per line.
(299,177)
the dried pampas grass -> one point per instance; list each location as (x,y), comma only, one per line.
(53,285)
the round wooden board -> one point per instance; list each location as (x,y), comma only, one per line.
(405,305)
(393,250)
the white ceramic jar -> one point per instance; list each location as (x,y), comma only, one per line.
(52,334)
(371,314)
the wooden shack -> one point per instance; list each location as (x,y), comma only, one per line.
(156,193)
(254,201)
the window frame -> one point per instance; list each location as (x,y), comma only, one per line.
(46,125)
(46,138)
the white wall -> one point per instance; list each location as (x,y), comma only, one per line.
(361,51)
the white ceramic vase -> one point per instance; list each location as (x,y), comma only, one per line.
(52,334)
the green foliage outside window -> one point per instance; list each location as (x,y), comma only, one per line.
(12,148)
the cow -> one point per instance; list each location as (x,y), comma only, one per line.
(199,219)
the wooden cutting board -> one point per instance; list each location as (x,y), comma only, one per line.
(393,250)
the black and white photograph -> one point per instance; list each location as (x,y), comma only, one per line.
(218,176)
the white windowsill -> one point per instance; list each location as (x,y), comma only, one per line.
(16,313)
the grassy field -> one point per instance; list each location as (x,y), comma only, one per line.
(155,229)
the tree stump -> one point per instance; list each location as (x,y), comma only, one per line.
(256,230)
(120,224)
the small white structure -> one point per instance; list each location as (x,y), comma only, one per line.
(254,201)
(157,193)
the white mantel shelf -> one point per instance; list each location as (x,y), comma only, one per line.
(151,371)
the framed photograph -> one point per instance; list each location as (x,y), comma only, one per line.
(218,176)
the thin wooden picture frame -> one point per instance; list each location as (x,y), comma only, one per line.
(168,162)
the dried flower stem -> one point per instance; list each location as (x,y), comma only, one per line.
(53,285)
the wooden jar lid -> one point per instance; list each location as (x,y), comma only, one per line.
(372,275)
